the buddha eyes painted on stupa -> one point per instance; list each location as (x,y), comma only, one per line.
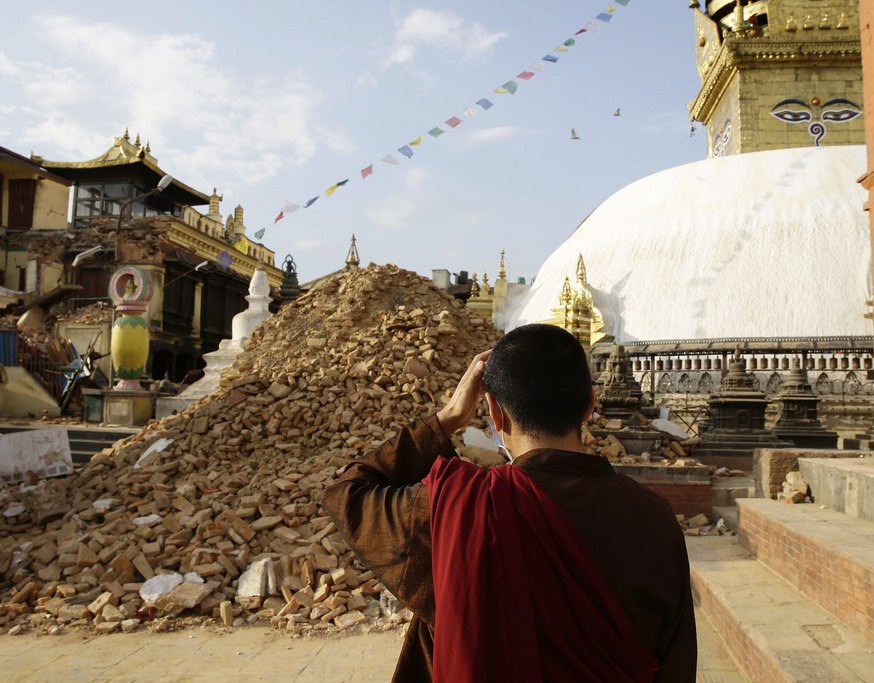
(838,110)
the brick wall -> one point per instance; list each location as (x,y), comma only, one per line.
(685,499)
(838,583)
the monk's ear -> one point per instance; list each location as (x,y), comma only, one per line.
(591,406)
(495,412)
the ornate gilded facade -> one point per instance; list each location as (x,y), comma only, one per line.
(777,74)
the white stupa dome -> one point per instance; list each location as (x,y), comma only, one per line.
(762,245)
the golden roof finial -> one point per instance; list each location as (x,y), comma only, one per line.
(502,273)
(474,286)
(565,297)
(126,136)
(148,149)
(137,141)
(581,271)
(486,286)
(352,259)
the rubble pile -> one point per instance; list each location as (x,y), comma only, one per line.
(700,525)
(98,313)
(795,489)
(674,447)
(215,511)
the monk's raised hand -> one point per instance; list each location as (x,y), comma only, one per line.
(461,408)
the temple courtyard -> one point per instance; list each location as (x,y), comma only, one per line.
(254,653)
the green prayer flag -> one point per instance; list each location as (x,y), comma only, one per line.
(435,132)
(260,233)
(342,182)
(624,3)
(510,86)
(570,41)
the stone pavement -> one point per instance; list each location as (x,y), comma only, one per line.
(251,654)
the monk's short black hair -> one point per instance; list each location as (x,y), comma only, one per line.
(540,376)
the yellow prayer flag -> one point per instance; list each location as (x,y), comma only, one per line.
(561,48)
(610,9)
(242,246)
(416,141)
(330,190)
(500,90)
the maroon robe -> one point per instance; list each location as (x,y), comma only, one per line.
(630,533)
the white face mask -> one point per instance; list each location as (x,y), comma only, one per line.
(498,436)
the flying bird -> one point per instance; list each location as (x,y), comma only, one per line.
(574,135)
(616,113)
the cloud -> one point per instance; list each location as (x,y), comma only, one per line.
(482,136)
(306,244)
(366,80)
(442,30)
(206,123)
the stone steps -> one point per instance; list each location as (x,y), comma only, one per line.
(825,554)
(85,442)
(774,633)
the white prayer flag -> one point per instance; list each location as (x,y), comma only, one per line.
(391,160)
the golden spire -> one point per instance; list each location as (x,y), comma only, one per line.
(565,295)
(581,271)
(148,149)
(126,136)
(474,286)
(352,259)
(502,273)
(486,286)
(137,141)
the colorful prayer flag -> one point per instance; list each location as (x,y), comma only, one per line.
(224,259)
(391,160)
(604,17)
(485,104)
(416,141)
(610,9)
(260,233)
(526,75)
(511,87)
(582,30)
(242,246)
(454,121)
(560,48)
(287,209)
(550,58)
(538,66)
(624,3)
(570,42)
(436,132)
(367,171)
(593,25)
(310,202)
(470,111)
(330,190)
(501,91)
(406,151)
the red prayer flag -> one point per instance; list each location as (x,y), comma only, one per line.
(279,217)
(582,30)
(367,171)
(526,75)
(454,121)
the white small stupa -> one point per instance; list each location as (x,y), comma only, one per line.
(242,326)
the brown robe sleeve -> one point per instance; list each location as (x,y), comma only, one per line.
(382,510)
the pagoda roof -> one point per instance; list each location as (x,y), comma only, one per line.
(125,160)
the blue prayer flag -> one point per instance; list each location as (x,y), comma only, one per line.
(485,104)
(604,16)
(407,151)
(550,58)
(310,202)
(224,259)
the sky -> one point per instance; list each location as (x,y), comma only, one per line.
(274,102)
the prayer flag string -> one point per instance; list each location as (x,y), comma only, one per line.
(508,88)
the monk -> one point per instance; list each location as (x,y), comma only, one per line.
(549,569)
